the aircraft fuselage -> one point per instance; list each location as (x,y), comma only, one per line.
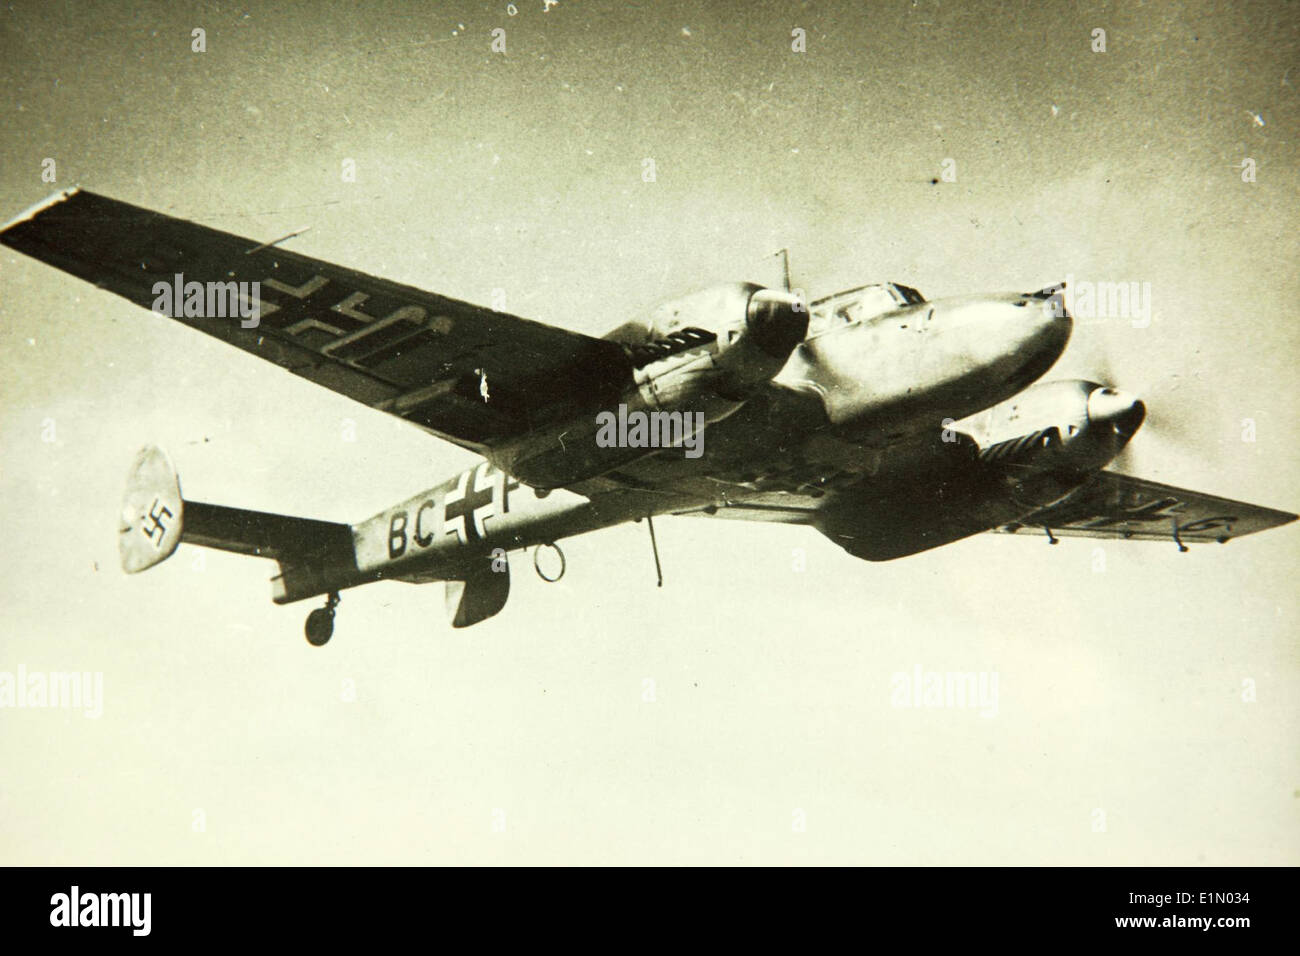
(851,389)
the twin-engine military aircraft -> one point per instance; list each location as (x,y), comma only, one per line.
(890,424)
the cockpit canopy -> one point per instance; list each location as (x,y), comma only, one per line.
(857,305)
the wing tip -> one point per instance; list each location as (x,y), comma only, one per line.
(32,211)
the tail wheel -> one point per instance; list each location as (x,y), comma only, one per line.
(320,627)
(320,623)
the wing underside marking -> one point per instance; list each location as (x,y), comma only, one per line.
(1107,505)
(1111,505)
(467,373)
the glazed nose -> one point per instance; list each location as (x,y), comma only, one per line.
(1114,407)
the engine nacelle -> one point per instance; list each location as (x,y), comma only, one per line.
(696,361)
(710,350)
(1067,426)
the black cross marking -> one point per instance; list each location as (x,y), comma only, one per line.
(465,506)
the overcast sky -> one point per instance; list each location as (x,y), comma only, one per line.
(1120,690)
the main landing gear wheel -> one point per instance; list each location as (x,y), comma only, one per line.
(320,622)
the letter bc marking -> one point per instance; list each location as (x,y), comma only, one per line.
(397,535)
(423,538)
(458,508)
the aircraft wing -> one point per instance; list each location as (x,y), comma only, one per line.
(466,373)
(892,522)
(1111,505)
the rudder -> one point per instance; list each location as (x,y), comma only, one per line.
(152,511)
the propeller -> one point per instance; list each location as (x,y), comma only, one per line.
(1163,426)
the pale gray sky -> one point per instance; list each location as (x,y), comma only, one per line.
(1119,690)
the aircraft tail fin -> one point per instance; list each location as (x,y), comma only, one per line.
(314,556)
(152,517)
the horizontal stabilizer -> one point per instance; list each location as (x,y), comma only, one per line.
(263,534)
